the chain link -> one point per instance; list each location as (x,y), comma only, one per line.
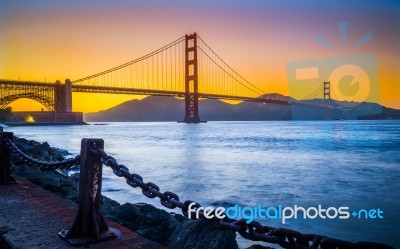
(286,238)
(42,165)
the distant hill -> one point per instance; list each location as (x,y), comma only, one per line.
(154,108)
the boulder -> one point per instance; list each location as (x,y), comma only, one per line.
(150,222)
(200,234)
(39,151)
(257,246)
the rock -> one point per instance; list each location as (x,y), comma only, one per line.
(4,244)
(108,206)
(127,213)
(150,222)
(257,246)
(200,234)
(75,177)
(179,217)
(45,146)
(39,151)
(46,155)
(51,181)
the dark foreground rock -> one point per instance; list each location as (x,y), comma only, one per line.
(145,219)
(201,234)
(40,151)
(257,246)
(169,229)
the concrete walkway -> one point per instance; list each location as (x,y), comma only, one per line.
(31,217)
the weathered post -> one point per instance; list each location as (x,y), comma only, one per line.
(89,225)
(5,158)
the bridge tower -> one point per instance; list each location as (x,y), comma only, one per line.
(191,80)
(327,115)
(327,90)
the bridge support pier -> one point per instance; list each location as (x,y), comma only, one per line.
(68,95)
(191,81)
(63,96)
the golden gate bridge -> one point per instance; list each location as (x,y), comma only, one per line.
(186,68)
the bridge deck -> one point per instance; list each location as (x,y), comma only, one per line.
(16,85)
(31,217)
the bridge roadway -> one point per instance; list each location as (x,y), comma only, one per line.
(137,91)
(31,217)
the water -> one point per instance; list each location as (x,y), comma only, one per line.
(338,163)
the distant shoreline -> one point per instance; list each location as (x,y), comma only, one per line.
(40,124)
(166,109)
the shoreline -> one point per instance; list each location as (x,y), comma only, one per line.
(169,229)
(42,123)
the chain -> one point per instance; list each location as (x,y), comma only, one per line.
(32,162)
(286,238)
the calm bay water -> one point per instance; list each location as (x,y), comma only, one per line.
(328,163)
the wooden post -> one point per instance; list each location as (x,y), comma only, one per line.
(5,159)
(89,225)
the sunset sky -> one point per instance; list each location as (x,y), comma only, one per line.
(47,40)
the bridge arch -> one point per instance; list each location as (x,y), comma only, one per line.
(46,101)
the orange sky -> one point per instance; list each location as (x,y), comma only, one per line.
(47,41)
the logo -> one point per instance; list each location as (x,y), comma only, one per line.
(281,212)
(353,78)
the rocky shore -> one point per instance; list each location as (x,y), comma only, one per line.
(169,229)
